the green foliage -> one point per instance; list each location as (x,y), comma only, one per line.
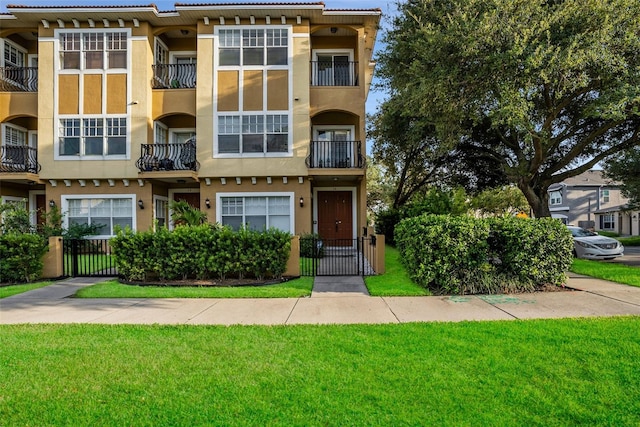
(630,241)
(539,91)
(21,257)
(608,233)
(625,168)
(462,255)
(201,252)
(52,223)
(14,218)
(311,246)
(435,201)
(506,200)
(182,213)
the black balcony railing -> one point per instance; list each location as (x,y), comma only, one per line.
(168,157)
(335,155)
(330,73)
(174,76)
(18,79)
(19,158)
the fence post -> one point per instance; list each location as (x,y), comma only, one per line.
(74,257)
(293,264)
(52,260)
(379,257)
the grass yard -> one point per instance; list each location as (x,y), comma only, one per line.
(89,264)
(514,373)
(395,281)
(7,291)
(608,271)
(113,289)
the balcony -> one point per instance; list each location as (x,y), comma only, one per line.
(168,157)
(19,159)
(335,155)
(333,73)
(174,76)
(18,79)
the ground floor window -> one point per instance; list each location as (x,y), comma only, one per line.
(161,211)
(607,222)
(255,211)
(106,212)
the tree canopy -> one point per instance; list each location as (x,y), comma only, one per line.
(533,91)
(625,168)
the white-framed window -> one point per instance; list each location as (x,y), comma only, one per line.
(253,133)
(180,136)
(253,47)
(93,136)
(14,140)
(107,211)
(555,198)
(605,196)
(161,133)
(161,211)
(161,52)
(333,67)
(257,211)
(93,50)
(13,135)
(13,55)
(607,222)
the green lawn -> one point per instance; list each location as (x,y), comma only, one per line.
(630,241)
(89,264)
(513,373)
(395,281)
(7,291)
(603,270)
(113,289)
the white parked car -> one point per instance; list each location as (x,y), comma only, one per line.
(590,245)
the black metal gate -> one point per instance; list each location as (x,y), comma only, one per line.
(336,257)
(88,258)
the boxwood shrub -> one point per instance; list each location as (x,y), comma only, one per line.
(466,255)
(201,252)
(21,257)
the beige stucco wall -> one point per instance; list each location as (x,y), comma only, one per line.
(15,104)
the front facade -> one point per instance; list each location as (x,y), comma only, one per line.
(253,113)
(591,201)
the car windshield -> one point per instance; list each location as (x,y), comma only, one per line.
(581,232)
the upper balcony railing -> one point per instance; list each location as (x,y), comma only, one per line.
(168,157)
(174,76)
(19,158)
(330,73)
(335,155)
(18,79)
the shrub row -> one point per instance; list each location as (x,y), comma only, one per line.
(466,255)
(21,257)
(201,252)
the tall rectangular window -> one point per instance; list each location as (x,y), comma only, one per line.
(605,196)
(70,51)
(69,137)
(103,212)
(95,136)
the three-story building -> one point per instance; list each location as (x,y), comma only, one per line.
(253,113)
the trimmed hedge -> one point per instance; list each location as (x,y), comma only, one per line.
(21,257)
(466,255)
(201,252)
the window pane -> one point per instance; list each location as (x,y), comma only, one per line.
(93,60)
(229,143)
(255,205)
(93,146)
(234,222)
(230,56)
(277,143)
(277,56)
(122,222)
(71,60)
(116,145)
(118,59)
(279,205)
(252,143)
(281,222)
(256,222)
(253,56)
(232,206)
(70,146)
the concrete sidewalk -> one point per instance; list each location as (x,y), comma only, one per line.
(334,301)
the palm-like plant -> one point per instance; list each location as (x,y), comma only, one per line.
(182,213)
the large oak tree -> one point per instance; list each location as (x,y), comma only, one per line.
(542,90)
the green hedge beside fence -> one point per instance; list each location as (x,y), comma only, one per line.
(201,252)
(466,255)
(21,257)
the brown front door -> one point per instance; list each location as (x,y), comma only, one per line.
(335,216)
(192,198)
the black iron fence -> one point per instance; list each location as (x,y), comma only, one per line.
(168,157)
(335,154)
(174,76)
(19,158)
(337,257)
(88,258)
(18,79)
(334,73)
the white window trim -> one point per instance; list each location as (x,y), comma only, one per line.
(173,131)
(56,95)
(103,157)
(291,196)
(33,214)
(551,198)
(156,125)
(18,48)
(14,127)
(319,52)
(174,55)
(241,112)
(155,216)
(354,207)
(65,208)
(158,41)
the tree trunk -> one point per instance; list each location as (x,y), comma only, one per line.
(538,199)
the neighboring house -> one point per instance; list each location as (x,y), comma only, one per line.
(591,201)
(254,113)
